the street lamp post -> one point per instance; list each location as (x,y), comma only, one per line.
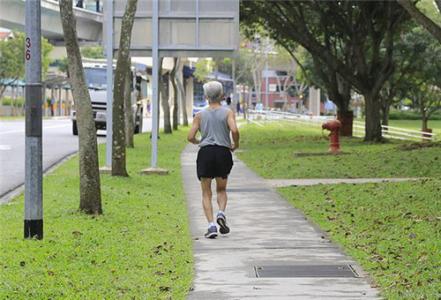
(33,220)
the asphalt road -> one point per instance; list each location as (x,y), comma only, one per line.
(58,142)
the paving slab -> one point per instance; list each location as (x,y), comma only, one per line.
(265,231)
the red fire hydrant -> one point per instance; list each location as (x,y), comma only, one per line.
(334,127)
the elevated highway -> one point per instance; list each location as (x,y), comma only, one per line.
(89,23)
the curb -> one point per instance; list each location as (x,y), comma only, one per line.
(6,197)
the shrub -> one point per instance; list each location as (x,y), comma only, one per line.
(8,101)
(411,115)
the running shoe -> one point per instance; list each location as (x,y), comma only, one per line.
(222,221)
(211,232)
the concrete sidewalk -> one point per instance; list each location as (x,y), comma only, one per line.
(265,231)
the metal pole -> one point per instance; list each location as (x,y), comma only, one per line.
(155,80)
(33,219)
(108,12)
(233,75)
(266,75)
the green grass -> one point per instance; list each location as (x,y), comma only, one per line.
(140,248)
(278,151)
(416,125)
(11,118)
(393,230)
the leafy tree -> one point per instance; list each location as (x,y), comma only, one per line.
(351,42)
(203,68)
(122,64)
(12,63)
(423,18)
(90,188)
(92,52)
(422,84)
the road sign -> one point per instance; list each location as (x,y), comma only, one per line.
(187,28)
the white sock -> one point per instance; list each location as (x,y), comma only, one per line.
(221,212)
(211,224)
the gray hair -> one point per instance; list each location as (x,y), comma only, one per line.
(213,91)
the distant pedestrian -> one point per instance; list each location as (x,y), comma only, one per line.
(238,107)
(149,107)
(52,106)
(214,160)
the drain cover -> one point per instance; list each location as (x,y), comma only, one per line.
(305,271)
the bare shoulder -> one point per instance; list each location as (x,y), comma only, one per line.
(229,111)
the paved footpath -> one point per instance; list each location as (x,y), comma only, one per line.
(267,233)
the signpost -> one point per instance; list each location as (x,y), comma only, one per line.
(33,219)
(177,28)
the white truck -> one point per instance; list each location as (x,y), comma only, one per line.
(95,75)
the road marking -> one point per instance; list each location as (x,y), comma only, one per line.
(5,147)
(23,131)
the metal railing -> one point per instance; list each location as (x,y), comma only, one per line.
(263,116)
(392,132)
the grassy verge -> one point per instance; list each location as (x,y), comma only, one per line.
(140,248)
(416,125)
(11,118)
(393,230)
(294,151)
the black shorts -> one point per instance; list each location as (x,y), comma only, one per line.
(214,161)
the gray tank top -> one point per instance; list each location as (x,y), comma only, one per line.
(214,127)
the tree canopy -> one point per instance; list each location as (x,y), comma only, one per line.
(12,64)
(351,42)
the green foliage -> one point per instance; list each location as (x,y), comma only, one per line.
(140,248)
(12,64)
(92,52)
(296,151)
(203,68)
(428,7)
(8,101)
(391,229)
(62,65)
(410,115)
(419,70)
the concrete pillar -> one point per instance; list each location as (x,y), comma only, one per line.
(314,101)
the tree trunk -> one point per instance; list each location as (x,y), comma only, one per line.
(373,119)
(128,111)
(425,122)
(344,115)
(90,192)
(385,108)
(165,102)
(183,100)
(175,95)
(122,64)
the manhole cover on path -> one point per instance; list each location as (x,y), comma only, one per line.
(288,271)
